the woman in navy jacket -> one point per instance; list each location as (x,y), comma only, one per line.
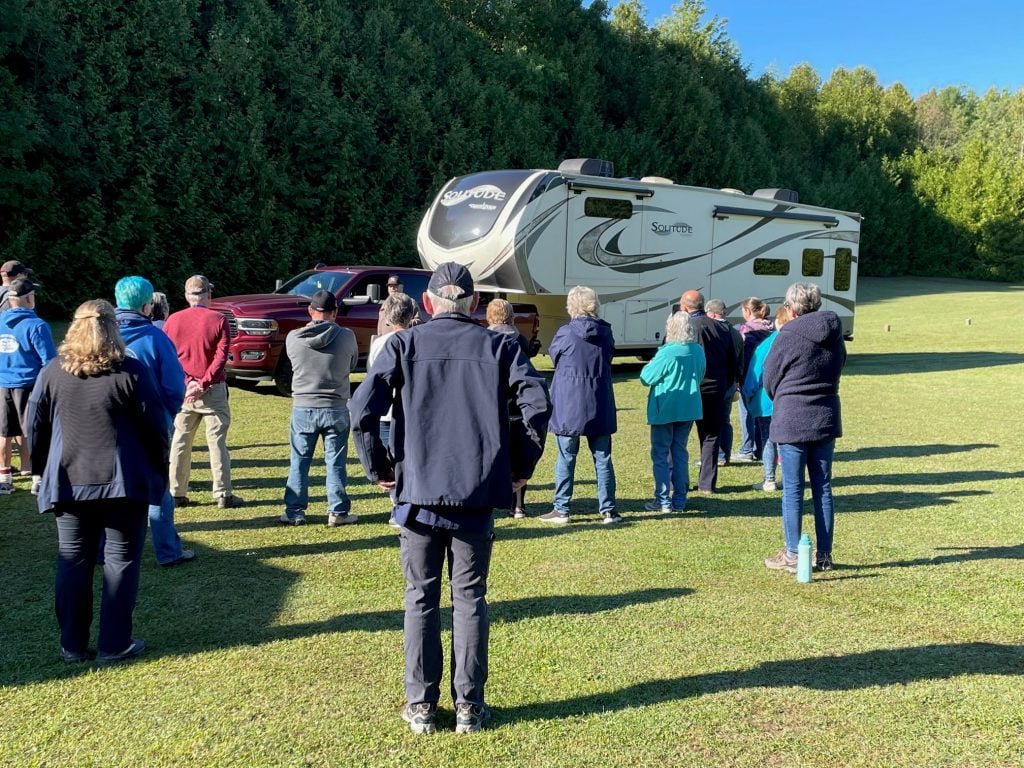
(801,376)
(583,403)
(98,434)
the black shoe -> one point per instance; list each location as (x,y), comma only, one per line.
(181,501)
(133,650)
(186,556)
(422,717)
(230,501)
(823,561)
(76,657)
(470,718)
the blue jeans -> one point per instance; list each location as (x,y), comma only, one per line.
(671,483)
(565,470)
(766,449)
(166,542)
(308,424)
(817,458)
(424,551)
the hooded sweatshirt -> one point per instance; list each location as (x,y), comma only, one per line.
(801,376)
(323,354)
(151,347)
(582,399)
(25,347)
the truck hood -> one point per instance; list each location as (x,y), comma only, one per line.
(268,305)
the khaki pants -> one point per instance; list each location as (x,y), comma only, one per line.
(212,408)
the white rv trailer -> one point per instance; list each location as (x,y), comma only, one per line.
(638,242)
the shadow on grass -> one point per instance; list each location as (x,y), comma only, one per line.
(958,555)
(889,666)
(898,363)
(927,478)
(908,451)
(726,505)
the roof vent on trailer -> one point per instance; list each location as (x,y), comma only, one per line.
(732,191)
(778,193)
(588,166)
(656,180)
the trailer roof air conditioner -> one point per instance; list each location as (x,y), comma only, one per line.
(778,193)
(588,166)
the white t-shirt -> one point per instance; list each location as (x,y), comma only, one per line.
(375,347)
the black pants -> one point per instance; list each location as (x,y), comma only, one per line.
(79,527)
(709,433)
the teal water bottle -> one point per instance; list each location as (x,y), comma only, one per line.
(803,559)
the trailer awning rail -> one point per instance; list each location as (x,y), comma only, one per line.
(724,211)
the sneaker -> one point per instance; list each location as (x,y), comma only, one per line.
(297,519)
(723,462)
(37,483)
(393,523)
(230,501)
(134,649)
(518,513)
(333,520)
(181,501)
(470,718)
(422,717)
(678,510)
(76,657)
(554,516)
(743,458)
(781,561)
(6,489)
(186,556)
(769,486)
(823,561)
(657,506)
(611,518)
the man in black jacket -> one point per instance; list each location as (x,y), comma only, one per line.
(722,367)
(453,457)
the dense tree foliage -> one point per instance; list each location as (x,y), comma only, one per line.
(249,140)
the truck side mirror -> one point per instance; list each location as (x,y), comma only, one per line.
(373,289)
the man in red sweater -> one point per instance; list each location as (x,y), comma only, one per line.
(202,338)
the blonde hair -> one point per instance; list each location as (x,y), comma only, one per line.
(582,302)
(93,344)
(782,316)
(756,307)
(499,311)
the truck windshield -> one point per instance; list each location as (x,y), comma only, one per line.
(308,283)
(469,206)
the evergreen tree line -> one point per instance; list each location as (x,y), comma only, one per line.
(249,140)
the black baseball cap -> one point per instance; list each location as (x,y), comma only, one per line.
(450,273)
(323,301)
(12,268)
(21,287)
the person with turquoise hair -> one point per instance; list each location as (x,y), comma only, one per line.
(151,347)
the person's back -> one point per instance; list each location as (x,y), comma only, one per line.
(581,388)
(716,338)
(322,356)
(151,347)
(26,345)
(201,337)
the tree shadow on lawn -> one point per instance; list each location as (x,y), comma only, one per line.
(958,477)
(889,666)
(722,505)
(907,451)
(958,555)
(896,363)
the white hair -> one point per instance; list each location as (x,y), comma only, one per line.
(582,302)
(678,328)
(446,301)
(803,298)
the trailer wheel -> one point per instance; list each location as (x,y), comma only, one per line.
(283,376)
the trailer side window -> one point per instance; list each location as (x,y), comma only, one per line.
(844,262)
(607,208)
(813,263)
(777,267)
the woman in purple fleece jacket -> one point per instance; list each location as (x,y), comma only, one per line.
(801,376)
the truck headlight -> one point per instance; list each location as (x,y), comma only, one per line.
(254,327)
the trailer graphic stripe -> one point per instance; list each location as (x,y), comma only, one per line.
(758,251)
(591,251)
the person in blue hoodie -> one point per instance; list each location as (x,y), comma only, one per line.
(151,347)
(26,345)
(583,403)
(801,376)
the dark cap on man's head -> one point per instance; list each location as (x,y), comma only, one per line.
(12,268)
(452,274)
(21,287)
(323,301)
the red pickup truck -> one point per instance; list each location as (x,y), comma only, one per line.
(260,322)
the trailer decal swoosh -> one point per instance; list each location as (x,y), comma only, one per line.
(591,251)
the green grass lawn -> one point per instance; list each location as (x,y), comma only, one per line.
(663,641)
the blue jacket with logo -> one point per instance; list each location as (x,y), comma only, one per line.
(151,347)
(450,382)
(26,345)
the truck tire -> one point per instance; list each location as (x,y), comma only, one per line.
(283,376)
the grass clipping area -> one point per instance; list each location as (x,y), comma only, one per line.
(663,641)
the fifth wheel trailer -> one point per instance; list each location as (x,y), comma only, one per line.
(639,243)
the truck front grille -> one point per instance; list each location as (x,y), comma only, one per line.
(232,322)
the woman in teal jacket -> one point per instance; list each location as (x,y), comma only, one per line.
(759,405)
(673,404)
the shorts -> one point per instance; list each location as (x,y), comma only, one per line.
(13,411)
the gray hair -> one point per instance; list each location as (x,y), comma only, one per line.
(398,309)
(678,328)
(447,301)
(582,302)
(803,298)
(715,307)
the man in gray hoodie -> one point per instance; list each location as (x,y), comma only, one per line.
(323,354)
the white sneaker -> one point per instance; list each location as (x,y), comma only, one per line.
(656,506)
(333,520)
(37,483)
(299,519)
